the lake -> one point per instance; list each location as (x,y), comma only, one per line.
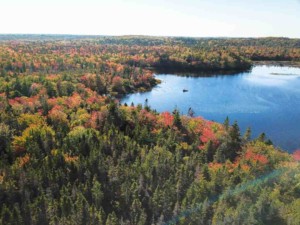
(266,99)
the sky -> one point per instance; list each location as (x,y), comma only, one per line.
(194,18)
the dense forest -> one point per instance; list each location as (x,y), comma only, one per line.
(70,153)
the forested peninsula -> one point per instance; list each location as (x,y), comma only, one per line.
(70,153)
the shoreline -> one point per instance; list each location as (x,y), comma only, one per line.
(211,73)
(277,63)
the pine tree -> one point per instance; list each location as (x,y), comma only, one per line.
(247,135)
(112,219)
(226,123)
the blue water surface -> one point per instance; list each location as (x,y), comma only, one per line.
(267,99)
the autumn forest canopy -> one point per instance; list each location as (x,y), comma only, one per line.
(70,153)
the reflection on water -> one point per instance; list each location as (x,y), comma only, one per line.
(263,99)
(273,76)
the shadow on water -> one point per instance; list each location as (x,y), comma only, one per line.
(193,73)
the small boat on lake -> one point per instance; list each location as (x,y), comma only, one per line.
(185,90)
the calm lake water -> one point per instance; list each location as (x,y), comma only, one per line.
(267,99)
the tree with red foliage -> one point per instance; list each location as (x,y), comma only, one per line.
(167,119)
(296,155)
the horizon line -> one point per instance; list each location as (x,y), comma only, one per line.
(143,35)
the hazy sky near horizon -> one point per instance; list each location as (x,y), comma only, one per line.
(197,18)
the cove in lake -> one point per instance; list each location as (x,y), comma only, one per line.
(266,99)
